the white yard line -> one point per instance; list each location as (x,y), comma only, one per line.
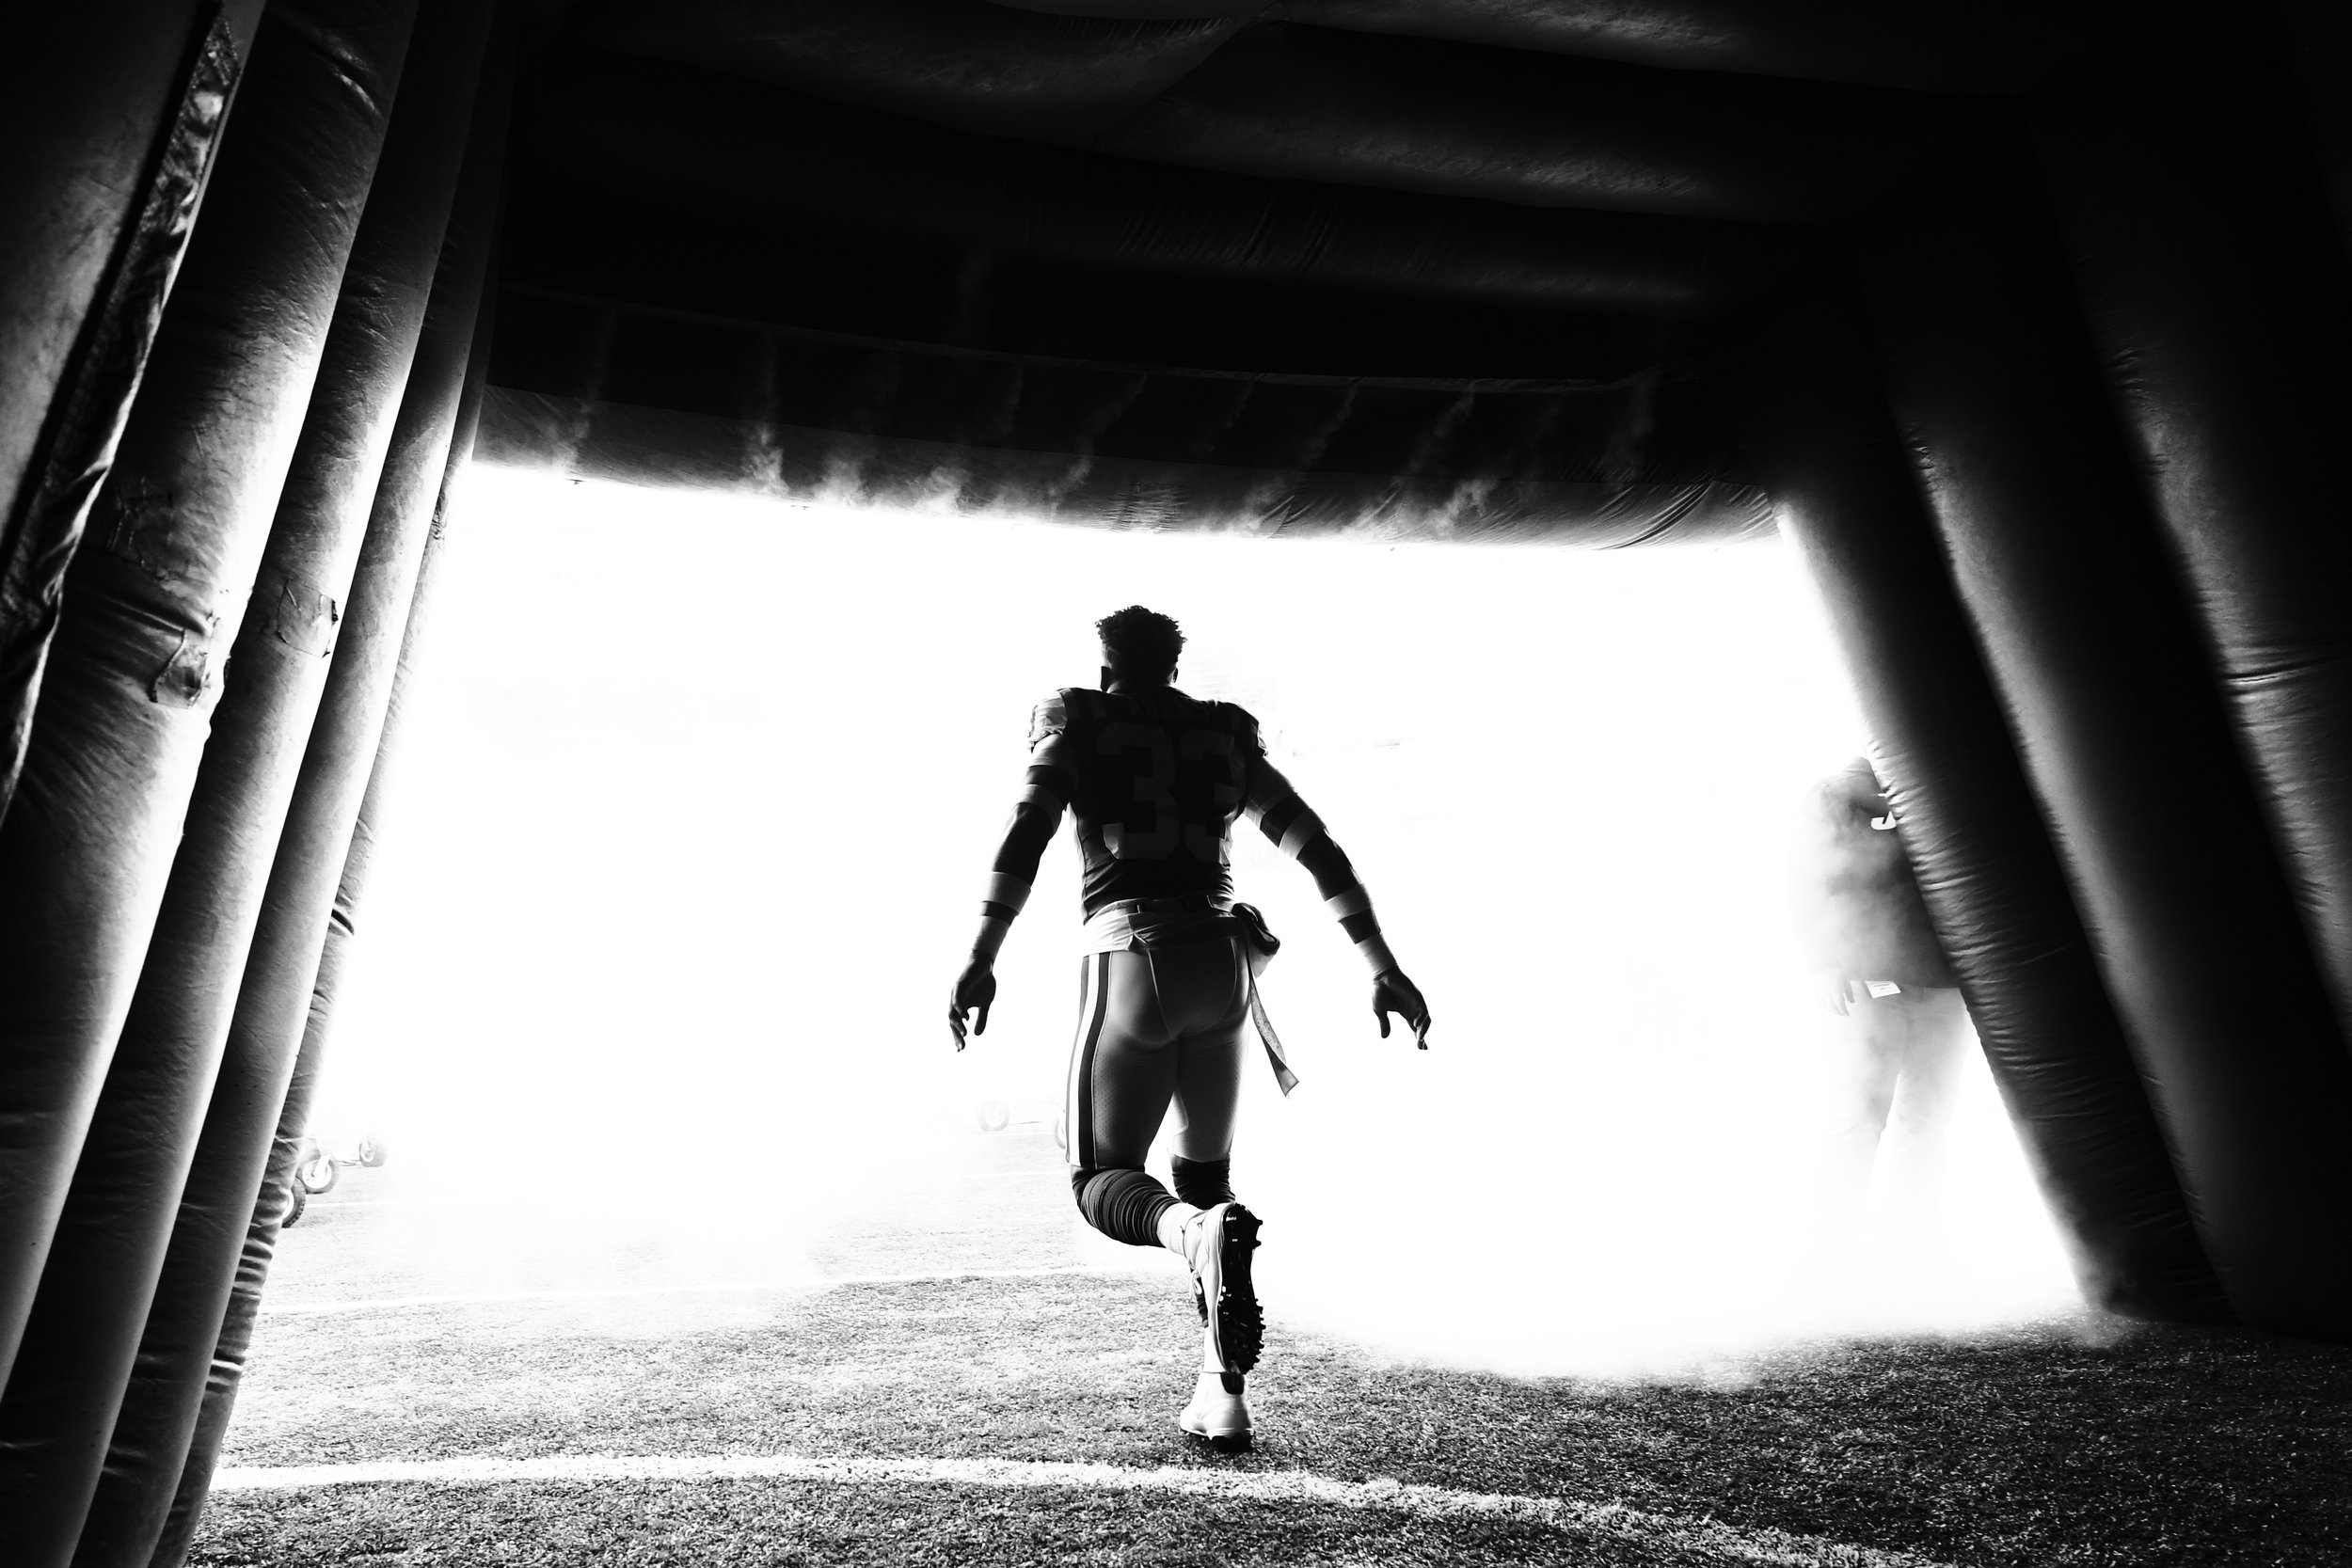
(1063,1171)
(467,1202)
(1688,1532)
(798,1282)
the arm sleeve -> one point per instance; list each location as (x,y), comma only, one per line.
(1294,828)
(1050,785)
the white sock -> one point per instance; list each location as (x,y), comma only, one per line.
(1172,1222)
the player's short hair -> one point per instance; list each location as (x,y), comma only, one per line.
(1140,644)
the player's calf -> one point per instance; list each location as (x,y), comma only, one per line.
(1203,1183)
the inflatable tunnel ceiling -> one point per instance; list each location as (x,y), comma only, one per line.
(1423,268)
(2025,321)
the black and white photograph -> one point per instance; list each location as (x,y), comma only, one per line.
(1176,783)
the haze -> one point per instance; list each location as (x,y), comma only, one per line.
(696,798)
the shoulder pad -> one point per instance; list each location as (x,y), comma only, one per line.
(1050,717)
(1245,724)
(1053,715)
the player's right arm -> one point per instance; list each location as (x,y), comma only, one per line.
(1271,801)
(1047,790)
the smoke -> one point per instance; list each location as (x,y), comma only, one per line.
(696,798)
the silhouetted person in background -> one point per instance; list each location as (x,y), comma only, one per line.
(1155,779)
(1900,1028)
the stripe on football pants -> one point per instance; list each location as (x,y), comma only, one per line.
(1094,972)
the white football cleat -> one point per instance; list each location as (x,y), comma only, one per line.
(1218,1412)
(1217,1245)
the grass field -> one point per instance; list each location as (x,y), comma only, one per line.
(1001,1388)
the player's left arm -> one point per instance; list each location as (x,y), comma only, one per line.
(1036,817)
(1274,805)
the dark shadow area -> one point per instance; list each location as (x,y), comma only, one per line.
(2085,1440)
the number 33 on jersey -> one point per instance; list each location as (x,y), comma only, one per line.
(1155,779)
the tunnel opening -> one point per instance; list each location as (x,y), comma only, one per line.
(655,967)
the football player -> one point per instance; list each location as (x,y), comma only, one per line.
(1901,1028)
(1155,779)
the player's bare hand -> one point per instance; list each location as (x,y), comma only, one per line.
(976,989)
(1392,992)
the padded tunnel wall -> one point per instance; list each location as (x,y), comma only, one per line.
(166,1069)
(111,114)
(382,523)
(276,387)
(159,589)
(85,288)
(2118,714)
(2220,302)
(1987,870)
(229,1359)
(191,1354)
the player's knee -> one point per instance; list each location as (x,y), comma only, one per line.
(1086,1177)
(1122,1202)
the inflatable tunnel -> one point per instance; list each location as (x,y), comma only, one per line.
(2024,322)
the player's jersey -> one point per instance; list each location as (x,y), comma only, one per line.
(1154,778)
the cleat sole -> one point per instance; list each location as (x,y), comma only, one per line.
(1240,1327)
(1222,1442)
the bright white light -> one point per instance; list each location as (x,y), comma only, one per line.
(697,794)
